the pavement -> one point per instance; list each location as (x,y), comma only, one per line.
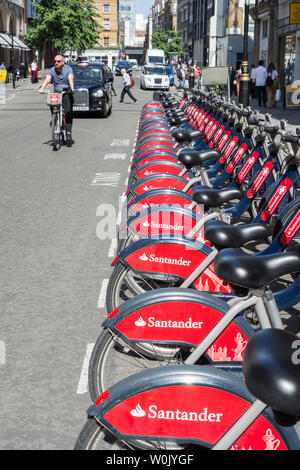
(277,113)
(54,268)
(23,85)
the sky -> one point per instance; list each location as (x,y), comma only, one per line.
(143,6)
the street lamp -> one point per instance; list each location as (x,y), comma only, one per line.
(245,78)
(11,26)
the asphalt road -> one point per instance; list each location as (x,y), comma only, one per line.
(53,265)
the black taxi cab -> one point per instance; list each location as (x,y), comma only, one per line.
(92,88)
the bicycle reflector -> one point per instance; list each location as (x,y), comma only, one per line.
(102,398)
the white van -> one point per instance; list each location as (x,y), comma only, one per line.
(155,56)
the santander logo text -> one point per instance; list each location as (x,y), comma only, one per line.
(155,259)
(152,322)
(177,415)
(163,226)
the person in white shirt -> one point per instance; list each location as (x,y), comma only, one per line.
(260,77)
(252,85)
(272,84)
(34,71)
(127,87)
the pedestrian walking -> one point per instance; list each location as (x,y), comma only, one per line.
(191,75)
(260,77)
(22,70)
(272,84)
(34,71)
(179,77)
(127,87)
(110,79)
(237,81)
(198,75)
(252,82)
(232,81)
(184,69)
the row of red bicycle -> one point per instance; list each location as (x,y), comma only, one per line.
(193,354)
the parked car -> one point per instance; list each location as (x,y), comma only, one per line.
(123,64)
(134,64)
(155,77)
(92,90)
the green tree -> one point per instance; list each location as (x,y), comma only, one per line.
(168,41)
(65,25)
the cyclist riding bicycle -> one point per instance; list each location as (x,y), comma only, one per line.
(62,77)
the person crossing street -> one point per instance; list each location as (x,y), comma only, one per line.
(127,87)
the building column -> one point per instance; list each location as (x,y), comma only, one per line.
(297,63)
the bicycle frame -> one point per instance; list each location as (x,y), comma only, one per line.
(57,109)
(265,309)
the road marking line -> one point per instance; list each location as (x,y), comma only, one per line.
(106,179)
(82,387)
(113,248)
(119,218)
(102,295)
(115,156)
(120,143)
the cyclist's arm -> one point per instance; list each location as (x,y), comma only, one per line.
(45,84)
(71,82)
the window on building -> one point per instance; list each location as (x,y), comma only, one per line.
(106,42)
(106,8)
(106,23)
(265,28)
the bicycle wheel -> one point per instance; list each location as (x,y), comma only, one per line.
(55,132)
(113,359)
(180,390)
(94,437)
(124,284)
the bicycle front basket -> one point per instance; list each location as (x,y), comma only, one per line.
(54,99)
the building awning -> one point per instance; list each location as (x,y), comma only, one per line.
(3,42)
(7,42)
(21,44)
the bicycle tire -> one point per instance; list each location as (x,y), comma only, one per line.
(54,134)
(91,435)
(217,388)
(125,284)
(112,358)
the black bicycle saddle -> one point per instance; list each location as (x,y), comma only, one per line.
(191,158)
(223,235)
(272,373)
(210,197)
(254,272)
